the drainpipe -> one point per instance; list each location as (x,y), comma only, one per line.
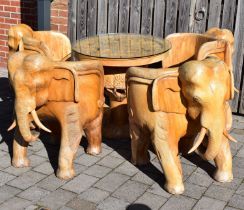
(43,15)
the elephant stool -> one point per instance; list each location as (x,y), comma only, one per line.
(184,109)
(70,93)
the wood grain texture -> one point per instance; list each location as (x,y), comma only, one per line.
(229,12)
(147,14)
(214,13)
(184,15)
(124,6)
(102,17)
(158,20)
(81,19)
(113,16)
(238,55)
(135,16)
(72,20)
(92,18)
(201,12)
(171,17)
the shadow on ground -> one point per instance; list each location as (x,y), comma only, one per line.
(6,112)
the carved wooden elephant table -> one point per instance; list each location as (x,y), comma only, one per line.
(117,52)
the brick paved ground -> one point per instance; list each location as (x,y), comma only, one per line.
(109,181)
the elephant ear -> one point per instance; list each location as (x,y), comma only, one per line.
(166,96)
(223,50)
(61,87)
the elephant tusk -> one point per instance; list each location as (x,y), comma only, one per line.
(228,136)
(12,126)
(198,139)
(38,122)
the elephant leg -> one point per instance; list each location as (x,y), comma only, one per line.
(93,133)
(223,163)
(140,140)
(70,140)
(20,159)
(166,147)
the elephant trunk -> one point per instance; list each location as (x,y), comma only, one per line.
(214,143)
(215,126)
(22,113)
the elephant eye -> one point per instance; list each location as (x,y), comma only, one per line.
(196,99)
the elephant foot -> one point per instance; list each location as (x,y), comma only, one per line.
(223,176)
(65,174)
(174,189)
(93,150)
(20,163)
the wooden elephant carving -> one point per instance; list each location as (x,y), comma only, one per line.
(68,92)
(181,110)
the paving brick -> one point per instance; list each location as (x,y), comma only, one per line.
(186,161)
(7,192)
(110,161)
(193,190)
(112,203)
(94,195)
(240,153)
(35,146)
(35,207)
(26,180)
(238,162)
(86,160)
(219,193)
(15,203)
(79,204)
(66,208)
(36,160)
(234,184)
(158,190)
(33,193)
(144,178)
(111,182)
(187,170)
(97,171)
(16,171)
(5,177)
(230,208)
(79,168)
(51,183)
(5,161)
(151,200)
(130,191)
(237,201)
(122,153)
(80,183)
(238,172)
(179,203)
(44,168)
(200,179)
(240,190)
(42,153)
(56,199)
(104,152)
(206,203)
(127,168)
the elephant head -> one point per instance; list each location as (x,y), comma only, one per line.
(206,87)
(15,35)
(36,80)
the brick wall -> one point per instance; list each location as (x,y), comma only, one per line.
(25,11)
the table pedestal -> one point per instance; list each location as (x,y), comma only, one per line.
(115,118)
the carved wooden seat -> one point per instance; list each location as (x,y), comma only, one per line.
(53,44)
(186,46)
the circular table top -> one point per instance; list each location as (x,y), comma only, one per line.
(122,49)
